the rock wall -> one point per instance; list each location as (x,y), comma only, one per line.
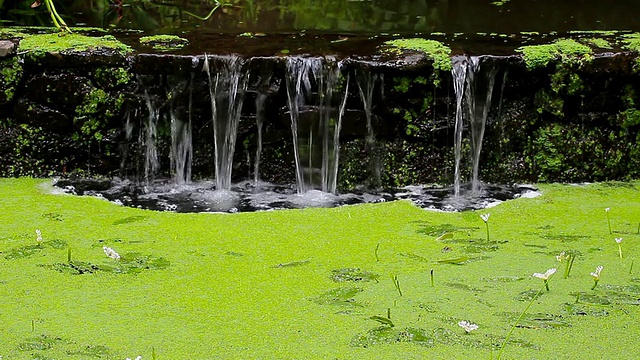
(86,113)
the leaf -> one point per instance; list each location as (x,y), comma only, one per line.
(382,320)
(445,236)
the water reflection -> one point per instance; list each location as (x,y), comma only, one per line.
(353,16)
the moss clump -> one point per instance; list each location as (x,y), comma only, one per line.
(632,43)
(435,50)
(567,50)
(164,42)
(12,33)
(598,42)
(55,43)
(112,77)
(95,112)
(11,73)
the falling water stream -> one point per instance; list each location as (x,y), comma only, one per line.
(366,85)
(474,79)
(315,120)
(148,139)
(227,85)
(181,142)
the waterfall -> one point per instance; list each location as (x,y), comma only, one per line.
(264,89)
(148,137)
(260,99)
(366,84)
(226,89)
(181,143)
(474,78)
(459,73)
(314,123)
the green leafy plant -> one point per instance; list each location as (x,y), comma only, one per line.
(619,242)
(546,276)
(596,276)
(485,218)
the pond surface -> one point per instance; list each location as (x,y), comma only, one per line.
(165,195)
(337,16)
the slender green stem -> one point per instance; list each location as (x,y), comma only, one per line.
(620,250)
(396,282)
(487,225)
(504,343)
(609,222)
(376,252)
(202,18)
(546,284)
(595,283)
(433,284)
(57,19)
(631,268)
(570,260)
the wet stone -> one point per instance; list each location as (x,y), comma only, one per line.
(7,48)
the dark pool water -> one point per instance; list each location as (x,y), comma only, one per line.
(164,195)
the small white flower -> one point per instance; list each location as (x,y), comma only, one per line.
(618,240)
(38,239)
(607,209)
(485,217)
(596,274)
(111,253)
(467,326)
(561,257)
(138,358)
(546,275)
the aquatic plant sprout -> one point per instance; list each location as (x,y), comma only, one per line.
(38,235)
(546,276)
(485,218)
(568,259)
(468,326)
(596,276)
(111,253)
(608,219)
(619,242)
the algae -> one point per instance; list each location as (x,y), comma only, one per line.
(40,44)
(164,42)
(11,72)
(565,50)
(300,312)
(434,50)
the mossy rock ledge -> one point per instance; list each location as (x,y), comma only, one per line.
(565,109)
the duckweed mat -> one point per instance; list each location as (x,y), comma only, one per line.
(373,281)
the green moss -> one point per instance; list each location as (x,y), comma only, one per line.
(632,42)
(598,42)
(435,50)
(565,50)
(552,103)
(59,42)
(12,33)
(11,73)
(95,112)
(401,84)
(164,42)
(112,77)
(630,117)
